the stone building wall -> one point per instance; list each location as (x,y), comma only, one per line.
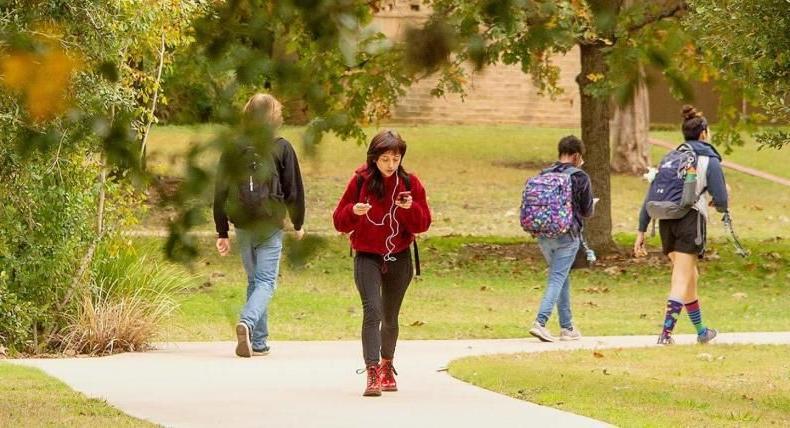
(498,94)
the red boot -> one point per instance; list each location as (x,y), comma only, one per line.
(387,375)
(373,388)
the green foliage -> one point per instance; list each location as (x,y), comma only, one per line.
(129,297)
(73,97)
(15,316)
(747,42)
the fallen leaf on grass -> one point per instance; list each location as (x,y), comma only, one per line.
(606,372)
(613,270)
(591,304)
(740,295)
(642,316)
(704,356)
(597,354)
(747,397)
(417,323)
(486,327)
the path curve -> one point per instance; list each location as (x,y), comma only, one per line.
(312,384)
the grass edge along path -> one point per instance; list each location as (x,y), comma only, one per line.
(717,385)
(29,397)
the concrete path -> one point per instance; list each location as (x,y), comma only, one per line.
(313,384)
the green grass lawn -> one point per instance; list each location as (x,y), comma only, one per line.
(486,287)
(474,177)
(717,385)
(30,398)
(480,284)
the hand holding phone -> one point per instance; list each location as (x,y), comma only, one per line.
(361,208)
(403,197)
(403,200)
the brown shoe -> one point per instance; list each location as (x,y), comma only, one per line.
(243,345)
(373,388)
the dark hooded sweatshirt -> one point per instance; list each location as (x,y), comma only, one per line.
(291,188)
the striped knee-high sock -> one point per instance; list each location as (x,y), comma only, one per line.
(674,306)
(696,316)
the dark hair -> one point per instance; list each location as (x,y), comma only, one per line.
(385,141)
(570,145)
(693,123)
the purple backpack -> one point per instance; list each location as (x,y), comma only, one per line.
(547,203)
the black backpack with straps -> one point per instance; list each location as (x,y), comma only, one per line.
(407,184)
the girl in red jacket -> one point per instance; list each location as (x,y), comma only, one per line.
(382,208)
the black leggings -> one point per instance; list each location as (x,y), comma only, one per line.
(382,294)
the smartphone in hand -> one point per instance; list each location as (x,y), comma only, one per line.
(403,197)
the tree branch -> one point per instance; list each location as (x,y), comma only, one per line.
(668,12)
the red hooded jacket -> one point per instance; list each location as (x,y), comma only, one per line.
(367,237)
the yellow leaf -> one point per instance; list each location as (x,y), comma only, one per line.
(42,79)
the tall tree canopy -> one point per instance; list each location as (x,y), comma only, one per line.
(614,41)
(747,42)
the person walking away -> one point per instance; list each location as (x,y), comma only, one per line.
(258,183)
(554,205)
(677,198)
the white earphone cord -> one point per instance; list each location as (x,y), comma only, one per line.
(395,230)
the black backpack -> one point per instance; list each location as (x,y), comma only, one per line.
(254,192)
(407,184)
(673,192)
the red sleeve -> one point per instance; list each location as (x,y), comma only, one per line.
(344,218)
(417,219)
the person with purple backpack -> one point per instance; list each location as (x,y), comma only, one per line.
(554,204)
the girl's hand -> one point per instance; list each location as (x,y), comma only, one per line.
(639,245)
(406,204)
(361,208)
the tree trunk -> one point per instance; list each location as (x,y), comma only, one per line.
(595,112)
(630,127)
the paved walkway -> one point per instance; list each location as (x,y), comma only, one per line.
(313,384)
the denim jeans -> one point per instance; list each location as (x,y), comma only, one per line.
(261,259)
(559,253)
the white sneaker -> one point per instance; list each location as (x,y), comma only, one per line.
(243,345)
(567,334)
(541,333)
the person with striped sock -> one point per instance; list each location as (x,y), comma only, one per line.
(678,198)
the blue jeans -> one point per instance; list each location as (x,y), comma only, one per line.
(261,259)
(559,253)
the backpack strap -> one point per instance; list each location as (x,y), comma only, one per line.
(407,184)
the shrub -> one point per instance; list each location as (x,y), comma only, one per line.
(129,296)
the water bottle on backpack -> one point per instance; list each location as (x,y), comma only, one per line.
(673,191)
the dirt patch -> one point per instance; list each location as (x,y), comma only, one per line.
(528,164)
(613,264)
(163,188)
